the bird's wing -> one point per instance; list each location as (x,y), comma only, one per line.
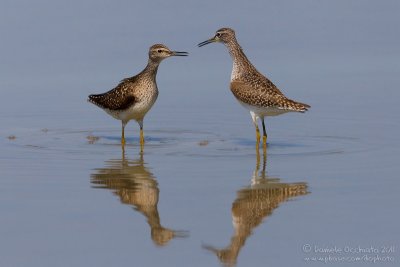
(265,97)
(119,98)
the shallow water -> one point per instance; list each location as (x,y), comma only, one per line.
(199,195)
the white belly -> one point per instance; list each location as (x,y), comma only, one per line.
(136,112)
(264,111)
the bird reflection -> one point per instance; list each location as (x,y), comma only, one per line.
(252,205)
(135,185)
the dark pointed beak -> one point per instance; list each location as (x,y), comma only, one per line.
(181,54)
(210,248)
(209,41)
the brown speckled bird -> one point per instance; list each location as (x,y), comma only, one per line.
(133,97)
(252,89)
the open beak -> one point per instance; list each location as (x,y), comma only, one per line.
(181,54)
(209,41)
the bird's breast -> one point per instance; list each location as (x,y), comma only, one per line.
(147,97)
(235,71)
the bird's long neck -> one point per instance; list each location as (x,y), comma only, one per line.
(151,68)
(241,64)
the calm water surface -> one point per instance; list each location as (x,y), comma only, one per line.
(199,195)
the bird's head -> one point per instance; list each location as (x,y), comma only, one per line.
(159,52)
(223,35)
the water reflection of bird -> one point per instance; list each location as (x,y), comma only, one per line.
(252,205)
(135,185)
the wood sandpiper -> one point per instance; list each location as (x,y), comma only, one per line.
(252,89)
(134,96)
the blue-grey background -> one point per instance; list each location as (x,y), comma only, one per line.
(341,57)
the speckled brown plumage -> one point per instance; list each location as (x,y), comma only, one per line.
(133,97)
(119,98)
(264,96)
(252,89)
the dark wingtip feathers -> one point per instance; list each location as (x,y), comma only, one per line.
(302,107)
(296,106)
(92,99)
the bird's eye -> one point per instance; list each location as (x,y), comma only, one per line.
(159,50)
(218,34)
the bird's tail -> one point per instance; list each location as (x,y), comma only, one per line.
(297,106)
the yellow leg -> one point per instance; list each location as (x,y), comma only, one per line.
(258,144)
(264,144)
(141,140)
(123,152)
(257,155)
(258,135)
(141,137)
(123,134)
(264,163)
(264,136)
